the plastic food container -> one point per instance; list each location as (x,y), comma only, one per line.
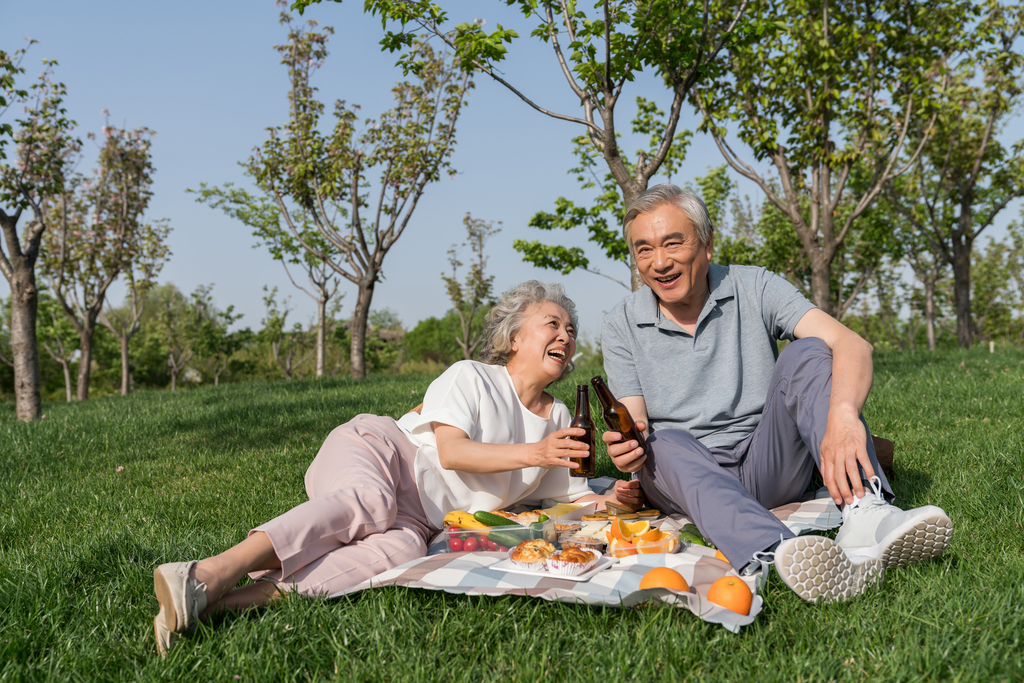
(668,544)
(495,539)
(584,542)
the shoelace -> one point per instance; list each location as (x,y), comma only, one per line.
(869,502)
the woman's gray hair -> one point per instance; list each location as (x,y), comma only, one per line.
(506,318)
(688,202)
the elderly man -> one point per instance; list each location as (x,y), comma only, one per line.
(737,428)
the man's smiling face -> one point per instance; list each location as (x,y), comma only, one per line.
(670,257)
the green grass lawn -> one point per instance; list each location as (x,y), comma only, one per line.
(79,541)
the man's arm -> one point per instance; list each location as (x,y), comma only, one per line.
(845,442)
(628,456)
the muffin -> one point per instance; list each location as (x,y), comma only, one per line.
(572,561)
(531,554)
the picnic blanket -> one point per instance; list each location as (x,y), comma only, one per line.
(618,586)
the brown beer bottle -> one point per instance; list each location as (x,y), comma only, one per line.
(581,420)
(616,415)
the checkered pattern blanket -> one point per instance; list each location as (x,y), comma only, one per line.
(617,586)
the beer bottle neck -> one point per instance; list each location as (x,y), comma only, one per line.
(604,395)
(582,401)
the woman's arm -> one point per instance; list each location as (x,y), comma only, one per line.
(456,451)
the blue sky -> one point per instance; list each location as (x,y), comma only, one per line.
(205,77)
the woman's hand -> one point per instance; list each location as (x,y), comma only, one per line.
(628,494)
(556,448)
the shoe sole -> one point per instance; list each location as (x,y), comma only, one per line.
(163,596)
(165,639)
(818,570)
(922,539)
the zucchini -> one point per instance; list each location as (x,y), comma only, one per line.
(491,519)
(510,538)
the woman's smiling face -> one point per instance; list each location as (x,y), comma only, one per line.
(546,340)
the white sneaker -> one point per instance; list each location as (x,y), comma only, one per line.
(874,529)
(818,570)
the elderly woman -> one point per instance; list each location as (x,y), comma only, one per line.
(489,436)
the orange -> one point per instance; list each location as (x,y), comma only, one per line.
(622,530)
(720,556)
(731,593)
(664,577)
(617,548)
(657,541)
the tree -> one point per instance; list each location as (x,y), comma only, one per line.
(838,89)
(966,176)
(215,343)
(100,235)
(990,284)
(44,148)
(288,347)
(180,319)
(327,178)
(597,53)
(261,213)
(56,333)
(141,272)
(476,292)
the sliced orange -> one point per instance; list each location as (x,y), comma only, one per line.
(622,530)
(657,541)
(651,535)
(617,548)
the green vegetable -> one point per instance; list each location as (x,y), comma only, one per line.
(491,519)
(691,534)
(542,518)
(510,538)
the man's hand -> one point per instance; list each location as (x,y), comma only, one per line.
(628,494)
(843,448)
(627,456)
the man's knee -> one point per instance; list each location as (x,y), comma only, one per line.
(801,352)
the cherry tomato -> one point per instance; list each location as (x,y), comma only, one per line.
(470,544)
(453,531)
(502,548)
(456,544)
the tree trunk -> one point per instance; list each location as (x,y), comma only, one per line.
(962,290)
(85,357)
(357,356)
(67,380)
(124,364)
(24,345)
(629,195)
(174,379)
(321,335)
(821,283)
(929,312)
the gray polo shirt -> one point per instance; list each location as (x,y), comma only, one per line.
(713,383)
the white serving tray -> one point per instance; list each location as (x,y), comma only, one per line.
(506,565)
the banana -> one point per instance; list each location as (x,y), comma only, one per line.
(463,520)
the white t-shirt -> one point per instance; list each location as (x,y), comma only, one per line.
(481,400)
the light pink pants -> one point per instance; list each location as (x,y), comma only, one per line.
(363,517)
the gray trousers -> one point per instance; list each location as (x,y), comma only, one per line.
(728,491)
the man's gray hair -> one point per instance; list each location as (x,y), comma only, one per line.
(506,318)
(659,195)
